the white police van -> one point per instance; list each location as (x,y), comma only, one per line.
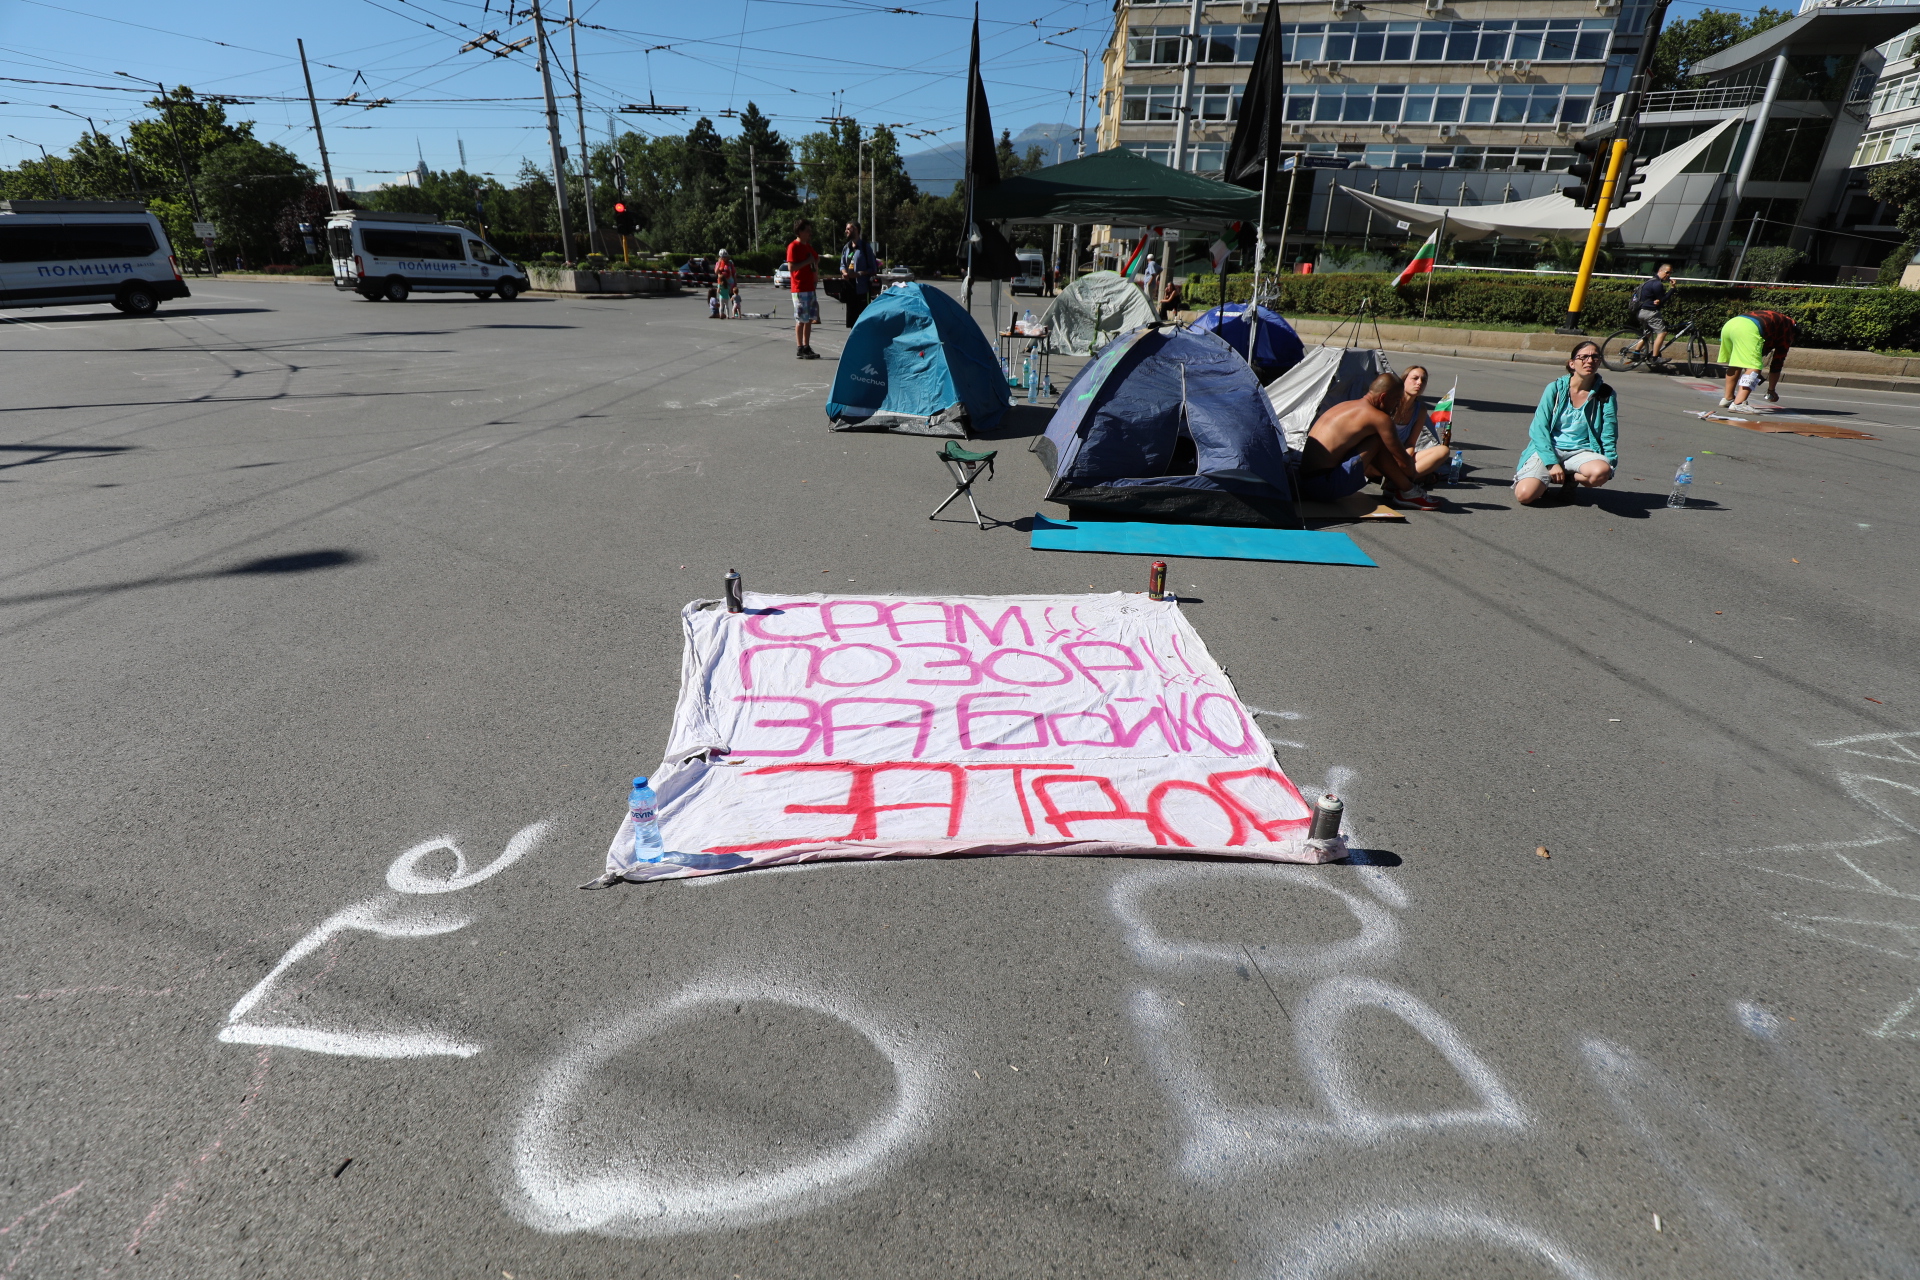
(54,253)
(390,255)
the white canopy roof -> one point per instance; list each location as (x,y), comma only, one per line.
(1546,216)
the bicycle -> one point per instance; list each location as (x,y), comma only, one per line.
(1627,349)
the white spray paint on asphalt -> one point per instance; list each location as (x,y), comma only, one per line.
(553,1189)
(386,916)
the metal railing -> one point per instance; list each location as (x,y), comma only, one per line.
(1725,99)
(1679,100)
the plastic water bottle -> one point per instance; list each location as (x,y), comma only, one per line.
(1682,485)
(1456,468)
(641,808)
(1006,370)
(1026,374)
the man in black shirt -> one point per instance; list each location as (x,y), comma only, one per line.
(1647,301)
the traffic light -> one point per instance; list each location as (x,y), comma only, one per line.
(1632,174)
(623,218)
(1591,170)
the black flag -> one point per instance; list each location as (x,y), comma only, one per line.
(1263,109)
(990,257)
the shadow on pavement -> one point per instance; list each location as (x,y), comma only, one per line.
(265,566)
(58,453)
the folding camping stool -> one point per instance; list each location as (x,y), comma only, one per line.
(965,467)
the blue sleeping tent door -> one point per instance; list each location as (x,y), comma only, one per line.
(916,363)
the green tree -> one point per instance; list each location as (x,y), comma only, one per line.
(1683,45)
(1899,185)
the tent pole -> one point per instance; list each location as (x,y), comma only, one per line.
(1259,252)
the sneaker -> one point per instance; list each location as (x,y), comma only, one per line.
(1724,403)
(808,353)
(1416,498)
(801,353)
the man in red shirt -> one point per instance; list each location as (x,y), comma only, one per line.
(803,261)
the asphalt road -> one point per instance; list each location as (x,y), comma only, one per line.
(294,584)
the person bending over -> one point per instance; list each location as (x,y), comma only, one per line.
(1574,437)
(1745,343)
(1354,437)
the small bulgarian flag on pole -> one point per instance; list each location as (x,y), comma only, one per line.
(1422,263)
(1441,415)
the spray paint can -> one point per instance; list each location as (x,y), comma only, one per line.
(1157,581)
(1327,812)
(735,600)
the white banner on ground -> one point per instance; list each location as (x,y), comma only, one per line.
(817,726)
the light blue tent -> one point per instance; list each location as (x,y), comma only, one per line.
(917,363)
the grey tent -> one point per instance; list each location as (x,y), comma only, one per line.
(1092,311)
(1324,377)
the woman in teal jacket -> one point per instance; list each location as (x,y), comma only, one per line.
(1574,437)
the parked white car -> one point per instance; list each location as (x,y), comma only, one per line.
(783,276)
(54,253)
(390,255)
(899,275)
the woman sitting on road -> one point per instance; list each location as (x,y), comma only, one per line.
(1426,451)
(1574,435)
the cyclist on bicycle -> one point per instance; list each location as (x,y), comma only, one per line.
(1647,301)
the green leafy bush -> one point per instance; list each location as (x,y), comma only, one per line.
(1852,319)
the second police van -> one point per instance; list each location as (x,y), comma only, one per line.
(390,255)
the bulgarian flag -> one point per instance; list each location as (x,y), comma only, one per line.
(1422,261)
(1441,415)
(1139,254)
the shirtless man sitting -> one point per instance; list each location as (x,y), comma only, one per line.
(1355,436)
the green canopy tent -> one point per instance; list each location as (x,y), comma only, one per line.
(1117,188)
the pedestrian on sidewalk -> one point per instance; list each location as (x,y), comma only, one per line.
(1574,437)
(1150,275)
(1745,343)
(728,283)
(858,268)
(803,265)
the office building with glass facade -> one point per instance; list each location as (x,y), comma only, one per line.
(1496,84)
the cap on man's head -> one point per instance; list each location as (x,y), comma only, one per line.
(723,253)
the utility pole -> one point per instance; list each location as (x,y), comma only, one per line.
(1079,152)
(1183,125)
(326,166)
(553,136)
(580,118)
(1626,128)
(753,195)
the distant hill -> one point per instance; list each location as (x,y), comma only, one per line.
(936,170)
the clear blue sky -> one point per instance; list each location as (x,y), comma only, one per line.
(798,59)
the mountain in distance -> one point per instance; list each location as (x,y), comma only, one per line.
(936,170)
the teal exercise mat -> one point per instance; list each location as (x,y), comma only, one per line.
(1199,541)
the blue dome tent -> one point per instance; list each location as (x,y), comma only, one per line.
(916,363)
(1277,348)
(1169,424)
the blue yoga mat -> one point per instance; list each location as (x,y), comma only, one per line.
(1199,541)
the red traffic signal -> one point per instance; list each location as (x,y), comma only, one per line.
(625,218)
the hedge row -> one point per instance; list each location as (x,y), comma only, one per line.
(1851,319)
